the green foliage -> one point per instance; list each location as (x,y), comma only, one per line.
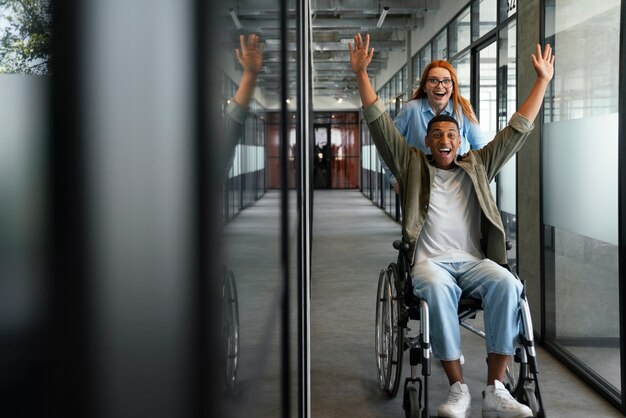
(25,36)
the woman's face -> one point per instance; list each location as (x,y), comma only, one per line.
(438,94)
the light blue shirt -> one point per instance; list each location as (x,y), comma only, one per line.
(413,119)
(412,122)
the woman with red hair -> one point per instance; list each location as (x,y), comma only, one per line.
(438,93)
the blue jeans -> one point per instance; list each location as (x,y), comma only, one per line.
(441,284)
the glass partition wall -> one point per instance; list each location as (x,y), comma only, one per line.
(506,187)
(580,151)
(262,253)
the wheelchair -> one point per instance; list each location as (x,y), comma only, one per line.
(396,305)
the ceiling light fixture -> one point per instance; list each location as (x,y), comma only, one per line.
(382,16)
(236,21)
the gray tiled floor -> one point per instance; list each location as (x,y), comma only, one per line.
(351,243)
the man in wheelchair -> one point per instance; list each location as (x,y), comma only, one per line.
(448,212)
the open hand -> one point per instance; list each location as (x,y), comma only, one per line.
(250,55)
(544,63)
(360,54)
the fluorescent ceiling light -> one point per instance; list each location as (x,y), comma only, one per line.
(233,15)
(382,16)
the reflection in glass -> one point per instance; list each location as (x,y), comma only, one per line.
(487,111)
(487,16)
(417,73)
(487,69)
(581,247)
(424,60)
(406,87)
(460,32)
(246,173)
(374,183)
(252,234)
(25,279)
(463,69)
(506,179)
(440,46)
(26,37)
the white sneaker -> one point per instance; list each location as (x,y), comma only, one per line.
(498,403)
(458,403)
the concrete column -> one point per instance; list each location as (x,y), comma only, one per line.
(529,163)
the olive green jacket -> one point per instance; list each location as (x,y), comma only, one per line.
(415,172)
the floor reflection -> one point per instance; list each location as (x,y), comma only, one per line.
(252,253)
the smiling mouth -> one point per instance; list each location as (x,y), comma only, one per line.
(445,151)
(439,94)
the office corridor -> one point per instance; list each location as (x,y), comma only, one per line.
(351,243)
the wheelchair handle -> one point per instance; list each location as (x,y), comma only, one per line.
(401,246)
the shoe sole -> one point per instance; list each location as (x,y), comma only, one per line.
(496,414)
(467,415)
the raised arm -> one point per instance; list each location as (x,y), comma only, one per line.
(391,145)
(360,57)
(250,56)
(544,67)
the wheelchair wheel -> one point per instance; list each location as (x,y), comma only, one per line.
(412,403)
(230,330)
(397,332)
(382,325)
(388,334)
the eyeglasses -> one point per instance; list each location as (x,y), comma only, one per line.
(433,82)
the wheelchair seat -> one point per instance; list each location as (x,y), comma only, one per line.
(467,306)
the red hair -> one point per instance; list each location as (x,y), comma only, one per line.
(458,101)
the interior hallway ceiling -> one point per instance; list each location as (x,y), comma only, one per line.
(333,25)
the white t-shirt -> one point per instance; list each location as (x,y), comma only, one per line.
(451,231)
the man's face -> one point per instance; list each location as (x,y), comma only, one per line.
(444,140)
